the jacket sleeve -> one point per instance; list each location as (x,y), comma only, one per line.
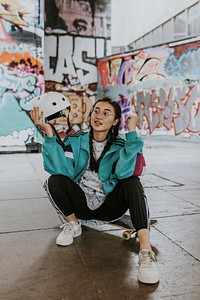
(55,160)
(128,155)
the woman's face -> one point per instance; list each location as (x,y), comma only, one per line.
(103,117)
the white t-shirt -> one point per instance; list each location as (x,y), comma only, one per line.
(90,182)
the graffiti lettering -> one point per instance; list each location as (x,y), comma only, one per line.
(136,69)
(193,105)
(74,58)
(163,83)
(177,108)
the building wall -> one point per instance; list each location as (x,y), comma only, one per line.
(161,85)
(183,25)
(131,19)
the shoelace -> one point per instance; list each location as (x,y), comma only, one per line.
(146,259)
(67,227)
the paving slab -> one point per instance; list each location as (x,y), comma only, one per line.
(165,204)
(183,230)
(27,214)
(187,194)
(153,180)
(36,161)
(18,190)
(18,173)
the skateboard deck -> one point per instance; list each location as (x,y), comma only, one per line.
(125,223)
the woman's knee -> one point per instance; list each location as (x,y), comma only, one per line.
(132,185)
(54,182)
(60,183)
(131,181)
(53,179)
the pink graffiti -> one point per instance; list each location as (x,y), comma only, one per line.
(129,70)
(109,71)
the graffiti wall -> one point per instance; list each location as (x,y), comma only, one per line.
(56,54)
(160,84)
(76,34)
(21,71)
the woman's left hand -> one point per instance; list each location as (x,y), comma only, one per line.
(131,122)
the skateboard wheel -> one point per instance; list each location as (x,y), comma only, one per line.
(126,235)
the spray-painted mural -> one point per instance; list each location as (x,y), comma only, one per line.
(162,85)
(21,71)
(76,34)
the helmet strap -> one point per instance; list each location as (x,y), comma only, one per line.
(58,138)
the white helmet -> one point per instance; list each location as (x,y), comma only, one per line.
(51,104)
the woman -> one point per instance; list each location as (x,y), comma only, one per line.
(92,178)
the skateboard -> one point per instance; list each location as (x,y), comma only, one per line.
(125,223)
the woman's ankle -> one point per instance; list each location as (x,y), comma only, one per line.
(72,218)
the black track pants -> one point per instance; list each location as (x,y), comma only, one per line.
(69,198)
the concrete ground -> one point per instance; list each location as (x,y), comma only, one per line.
(100,264)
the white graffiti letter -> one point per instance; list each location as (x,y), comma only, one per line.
(85,51)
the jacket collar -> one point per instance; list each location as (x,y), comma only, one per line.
(85,144)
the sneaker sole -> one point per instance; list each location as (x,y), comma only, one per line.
(148,281)
(66,244)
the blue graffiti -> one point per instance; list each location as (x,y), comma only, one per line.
(16,94)
(186,65)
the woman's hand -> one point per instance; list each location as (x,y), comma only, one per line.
(37,117)
(131,122)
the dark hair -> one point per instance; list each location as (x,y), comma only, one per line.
(112,134)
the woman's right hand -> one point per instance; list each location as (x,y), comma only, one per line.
(131,122)
(37,117)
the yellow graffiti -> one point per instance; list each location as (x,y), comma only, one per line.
(13,12)
(80,109)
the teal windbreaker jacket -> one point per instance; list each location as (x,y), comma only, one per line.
(117,163)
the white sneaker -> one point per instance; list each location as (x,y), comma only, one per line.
(70,230)
(148,272)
